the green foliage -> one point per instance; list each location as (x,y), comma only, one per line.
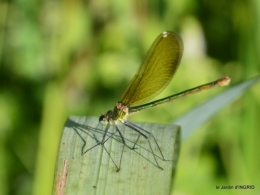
(61,58)
(96,171)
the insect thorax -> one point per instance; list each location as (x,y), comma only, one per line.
(119,113)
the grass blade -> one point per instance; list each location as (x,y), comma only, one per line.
(95,173)
(203,112)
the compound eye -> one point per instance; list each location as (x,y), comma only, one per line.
(102,118)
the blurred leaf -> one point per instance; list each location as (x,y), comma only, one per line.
(191,120)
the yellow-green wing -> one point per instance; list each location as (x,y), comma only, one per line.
(156,71)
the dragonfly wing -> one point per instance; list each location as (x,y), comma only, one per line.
(156,71)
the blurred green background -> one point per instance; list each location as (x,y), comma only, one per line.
(75,57)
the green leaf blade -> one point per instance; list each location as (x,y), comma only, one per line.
(95,173)
(203,112)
